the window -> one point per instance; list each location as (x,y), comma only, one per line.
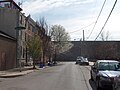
(21,19)
(108,65)
(33,29)
(5,4)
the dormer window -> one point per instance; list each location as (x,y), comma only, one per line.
(5,4)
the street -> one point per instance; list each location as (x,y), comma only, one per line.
(64,76)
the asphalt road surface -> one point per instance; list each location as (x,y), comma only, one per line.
(64,76)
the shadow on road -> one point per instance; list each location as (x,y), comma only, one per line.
(92,84)
(59,64)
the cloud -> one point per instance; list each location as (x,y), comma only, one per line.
(112,26)
(38,6)
(76,25)
(76,14)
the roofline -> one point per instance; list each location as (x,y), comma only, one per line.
(107,60)
(13,3)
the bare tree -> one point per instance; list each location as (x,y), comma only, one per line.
(105,36)
(43,32)
(60,38)
(43,25)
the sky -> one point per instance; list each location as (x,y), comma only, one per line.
(76,16)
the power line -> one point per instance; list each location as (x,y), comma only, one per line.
(82,28)
(96,20)
(106,20)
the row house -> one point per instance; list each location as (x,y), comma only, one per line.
(28,33)
(32,28)
(9,19)
(13,52)
(46,45)
(21,39)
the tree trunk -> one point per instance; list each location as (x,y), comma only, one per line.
(34,64)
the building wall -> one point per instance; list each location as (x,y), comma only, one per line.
(100,49)
(92,50)
(7,53)
(11,18)
(71,54)
(8,20)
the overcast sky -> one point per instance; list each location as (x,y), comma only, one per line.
(77,15)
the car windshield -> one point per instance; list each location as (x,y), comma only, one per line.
(85,59)
(109,66)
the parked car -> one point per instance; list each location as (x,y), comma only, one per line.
(104,73)
(78,60)
(84,61)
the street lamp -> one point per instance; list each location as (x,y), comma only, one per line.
(19,44)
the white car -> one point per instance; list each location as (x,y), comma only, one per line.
(84,61)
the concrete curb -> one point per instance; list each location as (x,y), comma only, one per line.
(15,74)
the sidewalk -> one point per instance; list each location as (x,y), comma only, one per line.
(16,72)
(24,70)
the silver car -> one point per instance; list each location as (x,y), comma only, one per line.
(78,60)
(104,72)
(84,61)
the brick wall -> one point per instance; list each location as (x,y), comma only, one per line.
(92,50)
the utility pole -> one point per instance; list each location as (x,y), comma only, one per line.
(83,36)
(80,46)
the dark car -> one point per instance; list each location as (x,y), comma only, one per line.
(84,61)
(104,72)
